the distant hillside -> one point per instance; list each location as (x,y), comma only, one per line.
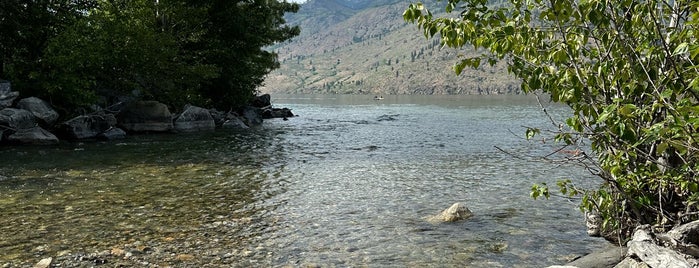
(365,47)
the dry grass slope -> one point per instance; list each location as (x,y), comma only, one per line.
(352,47)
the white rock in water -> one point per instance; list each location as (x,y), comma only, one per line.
(456,212)
(44,263)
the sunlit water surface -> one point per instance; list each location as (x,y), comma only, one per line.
(346,183)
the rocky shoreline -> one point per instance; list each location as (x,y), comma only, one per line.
(675,248)
(33,121)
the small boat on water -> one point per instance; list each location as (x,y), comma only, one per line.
(378,97)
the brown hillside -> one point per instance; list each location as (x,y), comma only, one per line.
(371,50)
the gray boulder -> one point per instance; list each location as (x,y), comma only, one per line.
(88,126)
(234,123)
(607,257)
(262,101)
(7,96)
(146,116)
(277,113)
(456,212)
(5,87)
(252,116)
(114,133)
(194,119)
(35,135)
(16,119)
(40,109)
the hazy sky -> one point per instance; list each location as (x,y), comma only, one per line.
(297,1)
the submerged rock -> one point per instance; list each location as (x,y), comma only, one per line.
(44,263)
(456,212)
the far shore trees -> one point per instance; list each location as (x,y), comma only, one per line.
(204,52)
(630,72)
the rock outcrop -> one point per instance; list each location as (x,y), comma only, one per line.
(88,126)
(262,101)
(114,133)
(277,113)
(35,135)
(456,212)
(194,119)
(7,96)
(252,116)
(146,116)
(27,123)
(234,123)
(19,126)
(16,119)
(40,109)
(677,248)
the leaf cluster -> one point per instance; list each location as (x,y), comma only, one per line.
(628,69)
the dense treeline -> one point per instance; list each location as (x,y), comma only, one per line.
(75,53)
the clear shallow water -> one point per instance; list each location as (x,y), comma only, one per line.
(346,183)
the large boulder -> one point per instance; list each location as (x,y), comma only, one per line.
(262,101)
(114,133)
(146,116)
(35,135)
(252,116)
(194,119)
(5,86)
(456,212)
(277,113)
(606,257)
(40,109)
(7,96)
(17,119)
(234,123)
(88,126)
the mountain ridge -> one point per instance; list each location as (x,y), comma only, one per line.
(365,47)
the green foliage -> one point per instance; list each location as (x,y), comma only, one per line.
(628,69)
(540,190)
(25,30)
(207,53)
(238,32)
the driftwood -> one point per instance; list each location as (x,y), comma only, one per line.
(674,249)
(645,248)
(684,238)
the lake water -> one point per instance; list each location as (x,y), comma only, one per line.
(348,182)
